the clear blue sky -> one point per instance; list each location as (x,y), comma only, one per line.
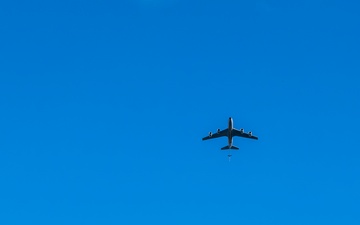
(103,105)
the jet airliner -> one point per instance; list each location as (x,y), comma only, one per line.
(230,132)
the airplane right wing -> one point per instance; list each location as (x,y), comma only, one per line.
(216,135)
(239,133)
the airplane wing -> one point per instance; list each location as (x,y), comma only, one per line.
(217,134)
(238,133)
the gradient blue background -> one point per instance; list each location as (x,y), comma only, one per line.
(104,104)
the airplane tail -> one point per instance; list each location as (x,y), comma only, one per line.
(232,147)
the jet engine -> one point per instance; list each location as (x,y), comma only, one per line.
(218,130)
(250,133)
(242,130)
(210,134)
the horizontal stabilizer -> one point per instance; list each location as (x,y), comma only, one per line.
(232,147)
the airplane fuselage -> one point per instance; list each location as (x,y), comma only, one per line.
(230,128)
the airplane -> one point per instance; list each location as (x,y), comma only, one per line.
(230,132)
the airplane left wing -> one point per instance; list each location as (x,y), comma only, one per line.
(216,135)
(239,133)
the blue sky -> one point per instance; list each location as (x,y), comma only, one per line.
(104,104)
